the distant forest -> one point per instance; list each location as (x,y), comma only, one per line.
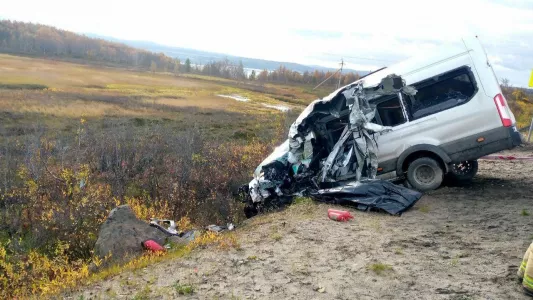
(46,41)
(49,42)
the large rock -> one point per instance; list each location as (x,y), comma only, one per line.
(122,234)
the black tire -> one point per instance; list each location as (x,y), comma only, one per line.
(463,171)
(425,174)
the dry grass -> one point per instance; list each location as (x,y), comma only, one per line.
(380,268)
(75,122)
(78,91)
(15,69)
(71,132)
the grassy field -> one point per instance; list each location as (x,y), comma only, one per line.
(58,94)
(78,140)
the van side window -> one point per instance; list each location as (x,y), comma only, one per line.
(442,92)
(390,112)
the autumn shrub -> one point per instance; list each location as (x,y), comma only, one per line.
(521,104)
(60,189)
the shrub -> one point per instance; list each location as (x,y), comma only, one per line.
(57,192)
(379,268)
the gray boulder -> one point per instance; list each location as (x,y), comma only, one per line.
(122,234)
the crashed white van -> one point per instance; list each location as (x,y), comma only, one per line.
(428,117)
(458,115)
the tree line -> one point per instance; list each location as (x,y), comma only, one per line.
(50,42)
(284,75)
(227,69)
(46,41)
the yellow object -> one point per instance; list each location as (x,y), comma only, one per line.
(526,269)
(531,79)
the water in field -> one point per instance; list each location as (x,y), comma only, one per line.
(235,97)
(282,108)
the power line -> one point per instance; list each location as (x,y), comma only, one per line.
(327,79)
(338,71)
(359,57)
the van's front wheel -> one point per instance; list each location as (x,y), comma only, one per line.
(425,174)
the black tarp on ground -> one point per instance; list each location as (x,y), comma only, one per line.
(370,194)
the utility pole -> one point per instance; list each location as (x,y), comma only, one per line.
(340,74)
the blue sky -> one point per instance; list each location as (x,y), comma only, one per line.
(368,34)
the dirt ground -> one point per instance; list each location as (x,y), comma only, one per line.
(458,242)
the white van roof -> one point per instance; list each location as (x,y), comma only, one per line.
(412,65)
(416,63)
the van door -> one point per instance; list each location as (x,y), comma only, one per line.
(390,111)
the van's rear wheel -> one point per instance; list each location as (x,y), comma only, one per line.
(464,171)
(425,174)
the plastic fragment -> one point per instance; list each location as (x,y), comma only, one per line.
(153,246)
(339,215)
(217,228)
(171,228)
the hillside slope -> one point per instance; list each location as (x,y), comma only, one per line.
(49,42)
(456,243)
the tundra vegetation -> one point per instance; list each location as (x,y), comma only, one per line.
(97,124)
(78,140)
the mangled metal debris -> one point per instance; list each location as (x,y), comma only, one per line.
(220,228)
(170,230)
(331,153)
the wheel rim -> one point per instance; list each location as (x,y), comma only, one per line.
(463,168)
(424,174)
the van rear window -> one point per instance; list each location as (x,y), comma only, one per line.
(442,92)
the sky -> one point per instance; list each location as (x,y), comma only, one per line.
(367,34)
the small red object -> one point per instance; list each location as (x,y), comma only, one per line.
(339,215)
(152,246)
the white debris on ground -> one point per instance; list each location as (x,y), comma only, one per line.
(235,97)
(282,108)
(240,98)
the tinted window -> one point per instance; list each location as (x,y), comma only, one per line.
(442,92)
(390,112)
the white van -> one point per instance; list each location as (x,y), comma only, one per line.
(458,115)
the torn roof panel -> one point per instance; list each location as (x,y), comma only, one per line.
(406,67)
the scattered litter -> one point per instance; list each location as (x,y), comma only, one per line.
(171,228)
(235,97)
(153,246)
(217,228)
(339,215)
(190,235)
(282,108)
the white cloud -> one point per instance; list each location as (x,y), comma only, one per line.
(282,30)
